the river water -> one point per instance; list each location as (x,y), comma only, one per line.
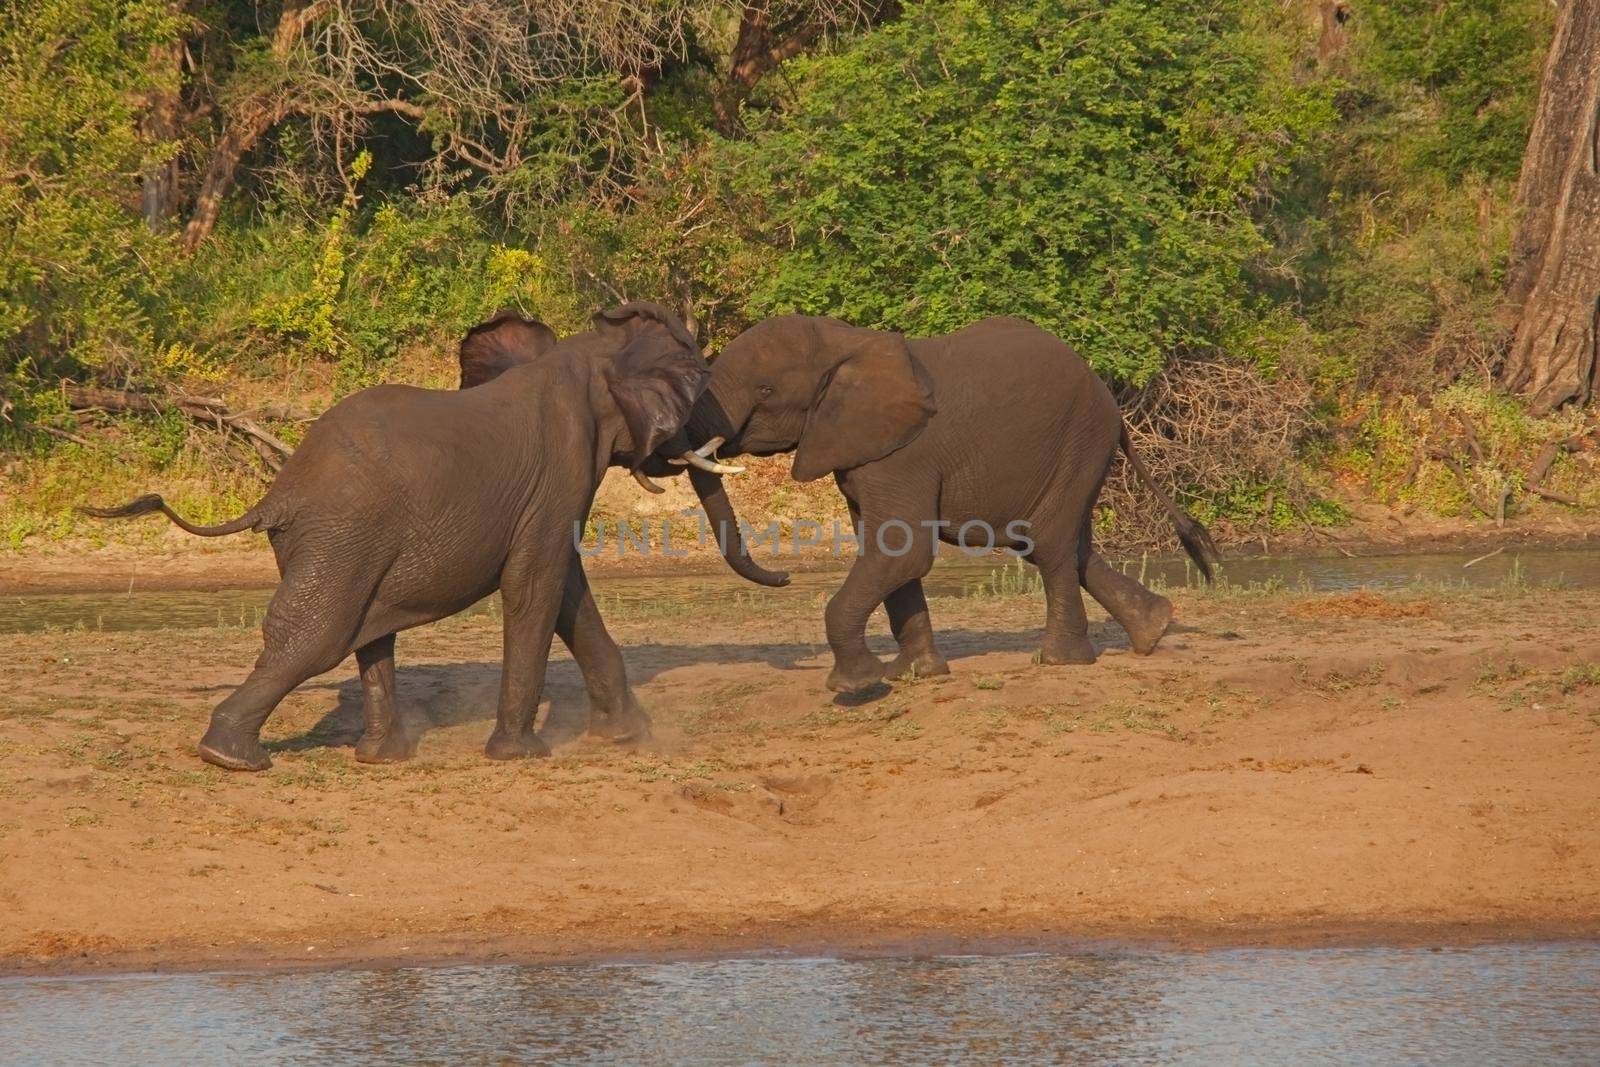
(953,576)
(1497,1004)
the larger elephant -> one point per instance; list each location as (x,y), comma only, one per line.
(1000,429)
(406,505)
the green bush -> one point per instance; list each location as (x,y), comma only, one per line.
(1093,167)
(1459,77)
(1155,181)
(1395,230)
(357,286)
(78,271)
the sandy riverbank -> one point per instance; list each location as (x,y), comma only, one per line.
(1284,769)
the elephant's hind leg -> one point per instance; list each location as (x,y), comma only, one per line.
(233,740)
(308,630)
(383,739)
(1143,614)
(1060,550)
(907,608)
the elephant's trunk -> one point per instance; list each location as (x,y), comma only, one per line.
(714,499)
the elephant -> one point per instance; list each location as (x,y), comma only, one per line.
(999,427)
(403,506)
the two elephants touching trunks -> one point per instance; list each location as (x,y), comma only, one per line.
(403,505)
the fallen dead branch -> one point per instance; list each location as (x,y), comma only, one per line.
(205,410)
(56,431)
(1545,460)
(1490,509)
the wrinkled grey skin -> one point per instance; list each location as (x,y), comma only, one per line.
(997,423)
(405,505)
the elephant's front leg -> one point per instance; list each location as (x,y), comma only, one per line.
(613,711)
(893,552)
(531,590)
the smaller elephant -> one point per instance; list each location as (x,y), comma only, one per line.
(404,505)
(999,432)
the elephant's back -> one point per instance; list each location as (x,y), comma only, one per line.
(1021,420)
(404,469)
(1007,368)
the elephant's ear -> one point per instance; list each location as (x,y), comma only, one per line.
(491,348)
(874,401)
(637,315)
(655,379)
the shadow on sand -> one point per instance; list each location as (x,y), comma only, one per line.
(436,695)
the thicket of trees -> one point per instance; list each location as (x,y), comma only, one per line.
(1258,218)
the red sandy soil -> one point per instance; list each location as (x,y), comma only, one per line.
(1283,769)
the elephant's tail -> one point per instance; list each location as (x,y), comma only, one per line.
(250,520)
(1195,537)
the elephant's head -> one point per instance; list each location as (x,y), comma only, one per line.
(838,396)
(654,372)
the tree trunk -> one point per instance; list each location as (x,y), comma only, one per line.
(1553,283)
(243,130)
(163,125)
(757,52)
(1335,37)
(248,122)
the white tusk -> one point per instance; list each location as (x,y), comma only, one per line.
(705,451)
(646,483)
(695,459)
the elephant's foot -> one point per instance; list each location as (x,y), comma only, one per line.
(233,750)
(524,745)
(924,663)
(1147,626)
(622,725)
(392,746)
(856,675)
(1072,648)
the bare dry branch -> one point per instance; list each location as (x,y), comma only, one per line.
(1202,428)
(205,410)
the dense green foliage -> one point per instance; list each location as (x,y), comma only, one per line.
(1397,234)
(77,272)
(1461,75)
(1090,167)
(1163,183)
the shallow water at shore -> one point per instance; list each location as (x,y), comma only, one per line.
(1485,1004)
(954,575)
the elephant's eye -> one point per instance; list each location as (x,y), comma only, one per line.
(764,391)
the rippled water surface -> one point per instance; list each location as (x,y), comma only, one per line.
(1490,1004)
(954,575)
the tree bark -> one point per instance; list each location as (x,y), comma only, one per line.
(248,122)
(757,52)
(244,128)
(1335,15)
(163,125)
(1553,283)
